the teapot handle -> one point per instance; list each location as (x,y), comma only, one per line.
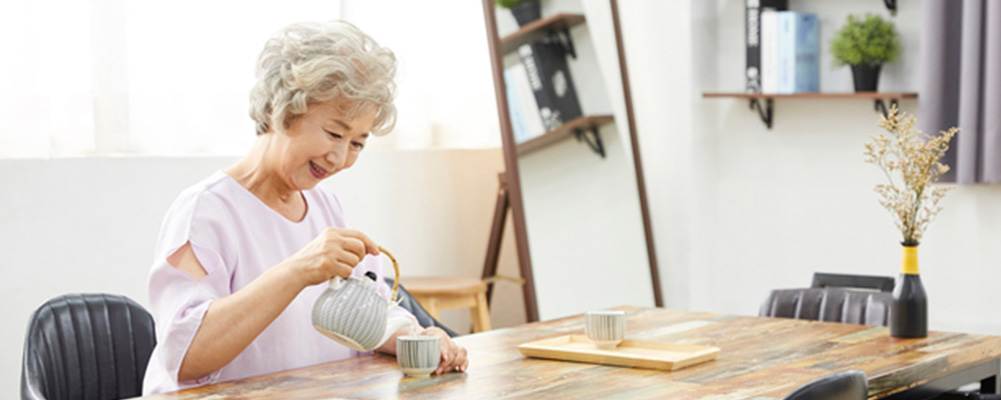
(396,268)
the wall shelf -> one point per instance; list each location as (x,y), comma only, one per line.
(539,29)
(878,98)
(579,127)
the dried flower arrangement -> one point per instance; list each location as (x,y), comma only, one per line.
(914,157)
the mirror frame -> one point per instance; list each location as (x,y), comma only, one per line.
(512,175)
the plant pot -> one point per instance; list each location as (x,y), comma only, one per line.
(526,12)
(909,308)
(866,77)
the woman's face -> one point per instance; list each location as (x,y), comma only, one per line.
(321,143)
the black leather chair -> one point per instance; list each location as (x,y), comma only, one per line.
(423,317)
(845,385)
(852,299)
(831,305)
(86,346)
(870,282)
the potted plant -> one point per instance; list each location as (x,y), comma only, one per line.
(910,161)
(865,43)
(524,11)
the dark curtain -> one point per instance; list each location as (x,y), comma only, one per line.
(961,84)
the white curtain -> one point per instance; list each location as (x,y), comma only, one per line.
(134,77)
(119,77)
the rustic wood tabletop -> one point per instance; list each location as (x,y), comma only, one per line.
(760,358)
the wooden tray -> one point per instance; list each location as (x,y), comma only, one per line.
(629,353)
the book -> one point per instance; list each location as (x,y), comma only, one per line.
(526,123)
(548,74)
(752,39)
(786,52)
(526,96)
(519,125)
(798,52)
(769,51)
(807,57)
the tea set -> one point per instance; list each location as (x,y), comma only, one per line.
(354,313)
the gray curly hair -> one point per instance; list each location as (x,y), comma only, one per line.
(312,62)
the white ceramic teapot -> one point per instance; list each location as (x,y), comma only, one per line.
(353,312)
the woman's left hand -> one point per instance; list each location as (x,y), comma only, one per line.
(453,356)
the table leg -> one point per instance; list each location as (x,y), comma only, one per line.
(430,305)
(990,385)
(987,373)
(481,314)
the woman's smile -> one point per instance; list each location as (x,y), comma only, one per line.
(318,171)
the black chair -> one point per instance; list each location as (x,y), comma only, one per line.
(86,346)
(831,305)
(845,385)
(827,280)
(423,317)
(852,299)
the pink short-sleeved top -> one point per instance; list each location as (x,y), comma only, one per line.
(236,237)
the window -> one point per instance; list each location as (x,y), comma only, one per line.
(130,77)
(118,77)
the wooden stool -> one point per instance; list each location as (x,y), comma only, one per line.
(443,293)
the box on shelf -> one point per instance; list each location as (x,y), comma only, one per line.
(545,63)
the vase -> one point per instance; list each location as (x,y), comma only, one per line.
(866,77)
(909,308)
(526,12)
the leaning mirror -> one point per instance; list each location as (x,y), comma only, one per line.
(574,175)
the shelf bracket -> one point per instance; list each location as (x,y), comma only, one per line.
(891,5)
(594,143)
(766,113)
(563,37)
(881,107)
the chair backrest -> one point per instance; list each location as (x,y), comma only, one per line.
(845,385)
(86,346)
(826,280)
(832,305)
(423,317)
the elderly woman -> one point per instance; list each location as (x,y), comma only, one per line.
(241,255)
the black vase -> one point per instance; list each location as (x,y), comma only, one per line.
(526,12)
(909,309)
(866,77)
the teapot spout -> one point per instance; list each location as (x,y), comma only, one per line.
(392,326)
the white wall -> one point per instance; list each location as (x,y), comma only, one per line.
(739,209)
(90,225)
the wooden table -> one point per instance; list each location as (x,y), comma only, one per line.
(762,358)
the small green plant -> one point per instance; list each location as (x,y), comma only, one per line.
(509,3)
(867,40)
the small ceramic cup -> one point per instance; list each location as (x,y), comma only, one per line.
(605,329)
(418,355)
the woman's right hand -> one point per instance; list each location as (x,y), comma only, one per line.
(334,253)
